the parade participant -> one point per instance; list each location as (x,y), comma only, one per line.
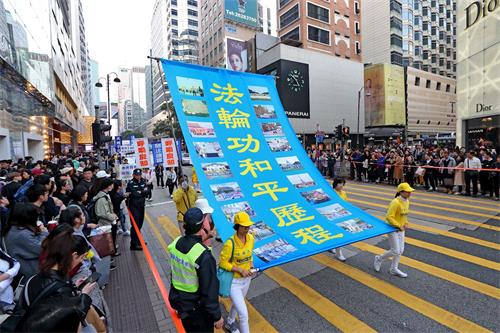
(194,289)
(397,216)
(171,181)
(208,229)
(138,192)
(184,198)
(159,175)
(338,185)
(240,248)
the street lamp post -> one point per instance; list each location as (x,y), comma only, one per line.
(98,84)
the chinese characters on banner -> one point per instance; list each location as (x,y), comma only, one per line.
(248,158)
(170,157)
(125,171)
(141,147)
(156,148)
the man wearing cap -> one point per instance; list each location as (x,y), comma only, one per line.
(195,287)
(138,192)
(208,228)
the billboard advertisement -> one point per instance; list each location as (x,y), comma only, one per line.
(237,55)
(384,95)
(242,11)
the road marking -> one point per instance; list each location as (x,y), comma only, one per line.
(256,320)
(460,280)
(156,232)
(467,212)
(416,196)
(158,203)
(453,253)
(388,190)
(413,302)
(436,216)
(450,234)
(334,314)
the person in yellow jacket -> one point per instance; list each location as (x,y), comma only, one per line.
(397,216)
(241,265)
(338,185)
(184,197)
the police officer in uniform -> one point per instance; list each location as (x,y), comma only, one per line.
(138,192)
(195,287)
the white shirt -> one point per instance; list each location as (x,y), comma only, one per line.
(473,163)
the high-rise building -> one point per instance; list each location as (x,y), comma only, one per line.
(42,97)
(94,77)
(83,52)
(267,10)
(174,35)
(132,104)
(331,27)
(148,71)
(415,33)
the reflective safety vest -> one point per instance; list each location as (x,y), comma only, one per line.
(183,267)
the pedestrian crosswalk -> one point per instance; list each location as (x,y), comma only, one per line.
(352,297)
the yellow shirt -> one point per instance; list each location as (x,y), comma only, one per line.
(242,254)
(342,194)
(397,213)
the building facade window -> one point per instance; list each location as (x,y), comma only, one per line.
(417,81)
(293,34)
(318,13)
(396,58)
(438,86)
(192,12)
(396,40)
(284,2)
(318,35)
(358,47)
(428,84)
(289,17)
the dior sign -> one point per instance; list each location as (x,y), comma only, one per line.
(483,108)
(478,10)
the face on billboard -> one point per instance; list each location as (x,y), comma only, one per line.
(236,58)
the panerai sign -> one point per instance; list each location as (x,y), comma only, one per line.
(483,108)
(478,10)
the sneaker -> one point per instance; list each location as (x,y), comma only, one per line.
(397,272)
(126,233)
(233,327)
(113,267)
(377,263)
(341,257)
(119,232)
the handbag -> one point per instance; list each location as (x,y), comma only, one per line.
(225,277)
(103,243)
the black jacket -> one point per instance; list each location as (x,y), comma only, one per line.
(116,200)
(9,190)
(138,193)
(206,299)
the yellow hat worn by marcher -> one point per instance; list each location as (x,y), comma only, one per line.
(243,219)
(405,187)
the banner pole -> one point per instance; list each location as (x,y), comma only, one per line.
(179,153)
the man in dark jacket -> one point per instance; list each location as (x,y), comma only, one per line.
(8,191)
(195,287)
(159,175)
(138,192)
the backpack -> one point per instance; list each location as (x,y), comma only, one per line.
(91,210)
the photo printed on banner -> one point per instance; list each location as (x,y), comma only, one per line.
(278,144)
(208,149)
(289,163)
(354,226)
(200,129)
(216,170)
(264,111)
(261,231)
(231,210)
(274,250)
(194,107)
(272,129)
(316,196)
(189,86)
(226,191)
(301,180)
(333,212)
(258,93)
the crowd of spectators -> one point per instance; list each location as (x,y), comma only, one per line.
(50,273)
(453,170)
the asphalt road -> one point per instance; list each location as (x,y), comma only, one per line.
(451,256)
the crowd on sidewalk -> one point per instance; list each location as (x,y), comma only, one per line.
(60,219)
(457,171)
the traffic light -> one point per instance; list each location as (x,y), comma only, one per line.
(345,131)
(98,134)
(339,132)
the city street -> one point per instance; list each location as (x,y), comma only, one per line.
(451,257)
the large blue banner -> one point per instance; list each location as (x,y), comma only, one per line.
(248,158)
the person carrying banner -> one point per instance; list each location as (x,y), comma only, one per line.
(338,185)
(159,175)
(194,287)
(136,201)
(397,216)
(184,198)
(239,247)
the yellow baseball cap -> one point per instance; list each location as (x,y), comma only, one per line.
(405,187)
(243,219)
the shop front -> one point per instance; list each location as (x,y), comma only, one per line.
(482,131)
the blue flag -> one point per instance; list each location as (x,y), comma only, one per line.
(247,158)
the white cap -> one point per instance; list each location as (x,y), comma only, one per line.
(102,174)
(203,205)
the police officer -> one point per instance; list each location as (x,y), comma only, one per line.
(138,191)
(195,288)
